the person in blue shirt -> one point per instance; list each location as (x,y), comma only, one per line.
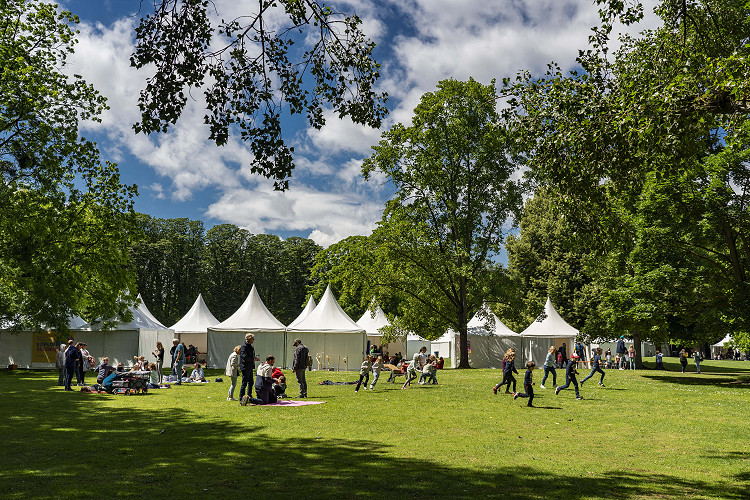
(528,385)
(179,359)
(570,376)
(595,367)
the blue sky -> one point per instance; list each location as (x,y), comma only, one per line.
(419,42)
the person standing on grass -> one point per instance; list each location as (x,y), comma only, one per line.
(60,365)
(683,360)
(247,365)
(570,377)
(564,354)
(179,359)
(508,371)
(159,355)
(697,358)
(233,371)
(364,372)
(595,367)
(659,360)
(72,359)
(621,351)
(631,356)
(299,365)
(528,385)
(549,367)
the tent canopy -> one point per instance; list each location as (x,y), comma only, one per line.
(309,307)
(482,319)
(197,319)
(550,325)
(252,316)
(328,317)
(373,320)
(726,340)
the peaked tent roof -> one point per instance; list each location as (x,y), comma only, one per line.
(328,317)
(723,341)
(197,319)
(309,307)
(142,320)
(75,321)
(478,325)
(252,316)
(551,326)
(372,324)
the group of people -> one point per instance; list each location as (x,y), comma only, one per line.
(550,367)
(73,360)
(269,381)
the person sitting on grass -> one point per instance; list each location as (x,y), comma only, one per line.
(153,382)
(197,374)
(103,370)
(107,382)
(570,376)
(279,385)
(263,385)
(528,385)
(184,377)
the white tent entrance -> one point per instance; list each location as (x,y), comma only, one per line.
(549,329)
(334,340)
(488,338)
(193,327)
(252,317)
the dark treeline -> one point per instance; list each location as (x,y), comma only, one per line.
(176,259)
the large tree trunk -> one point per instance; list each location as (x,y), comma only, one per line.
(463,315)
(638,353)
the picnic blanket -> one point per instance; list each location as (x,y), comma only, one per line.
(329,382)
(289,402)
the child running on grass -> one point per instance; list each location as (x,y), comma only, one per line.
(376,367)
(508,370)
(570,376)
(596,361)
(549,366)
(364,372)
(528,385)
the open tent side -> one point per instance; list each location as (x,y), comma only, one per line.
(192,328)
(488,340)
(332,337)
(547,330)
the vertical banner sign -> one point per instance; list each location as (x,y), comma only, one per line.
(468,345)
(45,347)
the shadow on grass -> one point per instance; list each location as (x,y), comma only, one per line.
(717,380)
(67,445)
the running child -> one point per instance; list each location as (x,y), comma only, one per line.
(570,376)
(364,372)
(376,367)
(596,361)
(528,385)
(549,366)
(508,370)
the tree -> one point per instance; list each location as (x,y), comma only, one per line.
(64,215)
(649,146)
(455,197)
(255,70)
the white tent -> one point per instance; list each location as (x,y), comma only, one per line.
(489,339)
(372,321)
(28,349)
(193,326)
(547,330)
(413,344)
(331,336)
(252,317)
(125,340)
(721,346)
(444,346)
(309,307)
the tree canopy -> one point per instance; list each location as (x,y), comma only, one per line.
(64,215)
(253,69)
(456,195)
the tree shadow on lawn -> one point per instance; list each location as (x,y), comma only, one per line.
(717,380)
(67,444)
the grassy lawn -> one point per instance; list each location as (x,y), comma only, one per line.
(648,434)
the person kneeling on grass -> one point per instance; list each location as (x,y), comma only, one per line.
(528,385)
(595,367)
(570,376)
(197,375)
(263,385)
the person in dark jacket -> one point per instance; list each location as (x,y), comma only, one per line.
(72,360)
(508,370)
(299,365)
(528,385)
(570,376)
(247,365)
(264,384)
(621,351)
(595,367)
(564,353)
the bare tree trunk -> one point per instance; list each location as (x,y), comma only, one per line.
(463,315)
(637,347)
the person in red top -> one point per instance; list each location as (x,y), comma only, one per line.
(440,363)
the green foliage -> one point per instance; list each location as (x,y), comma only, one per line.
(455,197)
(257,72)
(64,216)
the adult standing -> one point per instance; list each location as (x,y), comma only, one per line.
(233,371)
(683,360)
(247,365)
(564,354)
(86,363)
(621,351)
(171,362)
(299,365)
(698,358)
(60,364)
(72,359)
(179,359)
(159,355)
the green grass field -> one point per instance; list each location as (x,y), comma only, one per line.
(648,434)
